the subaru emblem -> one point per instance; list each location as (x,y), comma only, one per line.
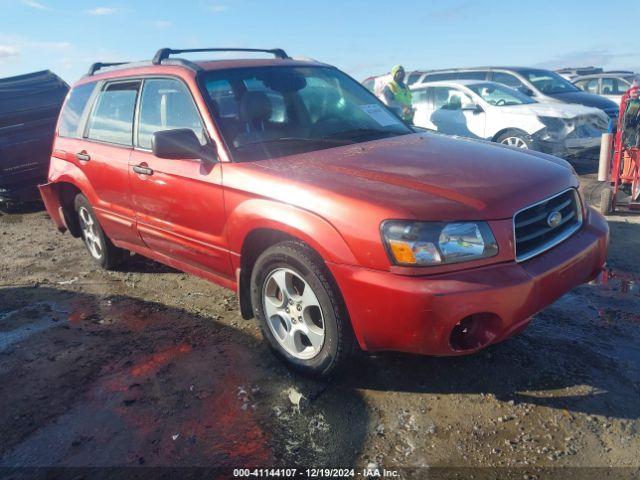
(554,219)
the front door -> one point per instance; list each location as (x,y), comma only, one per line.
(453,113)
(179,202)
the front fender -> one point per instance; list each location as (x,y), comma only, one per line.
(318,233)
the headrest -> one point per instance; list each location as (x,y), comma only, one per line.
(255,107)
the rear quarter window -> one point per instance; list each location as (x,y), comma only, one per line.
(71,115)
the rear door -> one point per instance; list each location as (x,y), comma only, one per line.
(101,150)
(179,202)
(424,107)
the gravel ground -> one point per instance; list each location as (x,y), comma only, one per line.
(148,366)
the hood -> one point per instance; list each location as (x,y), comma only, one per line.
(556,110)
(422,176)
(586,99)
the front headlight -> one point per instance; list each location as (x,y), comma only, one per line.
(436,243)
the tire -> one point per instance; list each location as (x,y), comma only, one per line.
(516,138)
(606,200)
(100,248)
(293,329)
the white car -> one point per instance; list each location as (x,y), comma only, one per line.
(495,112)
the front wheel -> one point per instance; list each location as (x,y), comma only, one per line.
(516,138)
(301,313)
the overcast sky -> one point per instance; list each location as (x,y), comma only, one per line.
(360,37)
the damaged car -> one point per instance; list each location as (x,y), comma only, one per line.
(338,225)
(490,111)
(29,108)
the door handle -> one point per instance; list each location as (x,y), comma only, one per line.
(83,156)
(142,170)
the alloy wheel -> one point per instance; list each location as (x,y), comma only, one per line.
(89,233)
(293,313)
(515,142)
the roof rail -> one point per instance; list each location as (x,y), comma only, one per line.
(164,53)
(98,65)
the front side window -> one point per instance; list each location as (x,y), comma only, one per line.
(548,82)
(268,112)
(612,86)
(419,96)
(449,98)
(167,104)
(71,114)
(507,79)
(498,95)
(112,117)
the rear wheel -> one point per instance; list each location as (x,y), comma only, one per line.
(301,313)
(516,138)
(100,247)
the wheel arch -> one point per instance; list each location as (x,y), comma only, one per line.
(258,224)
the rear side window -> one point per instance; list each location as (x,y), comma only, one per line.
(112,117)
(167,104)
(437,77)
(71,115)
(472,75)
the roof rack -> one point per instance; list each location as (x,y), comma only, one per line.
(98,65)
(164,53)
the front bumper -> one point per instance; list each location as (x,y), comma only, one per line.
(419,314)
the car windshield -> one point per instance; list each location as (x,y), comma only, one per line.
(499,95)
(549,82)
(269,112)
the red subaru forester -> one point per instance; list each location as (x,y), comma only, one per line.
(290,183)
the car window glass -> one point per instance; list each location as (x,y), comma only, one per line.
(73,109)
(591,86)
(582,84)
(285,110)
(499,95)
(419,96)
(412,77)
(112,117)
(507,79)
(278,111)
(167,104)
(612,86)
(449,98)
(436,77)
(472,76)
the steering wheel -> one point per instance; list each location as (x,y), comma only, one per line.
(500,101)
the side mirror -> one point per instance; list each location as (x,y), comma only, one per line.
(526,91)
(180,143)
(472,107)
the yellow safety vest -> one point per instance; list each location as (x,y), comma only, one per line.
(402,94)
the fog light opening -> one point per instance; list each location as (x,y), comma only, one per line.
(475,331)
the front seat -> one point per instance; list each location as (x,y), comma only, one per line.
(255,112)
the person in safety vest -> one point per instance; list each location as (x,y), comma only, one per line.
(631,119)
(397,96)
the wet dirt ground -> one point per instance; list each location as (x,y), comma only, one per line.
(148,366)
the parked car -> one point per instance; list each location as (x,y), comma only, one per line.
(495,112)
(334,221)
(610,85)
(29,108)
(543,86)
(570,73)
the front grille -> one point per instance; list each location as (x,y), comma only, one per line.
(538,228)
